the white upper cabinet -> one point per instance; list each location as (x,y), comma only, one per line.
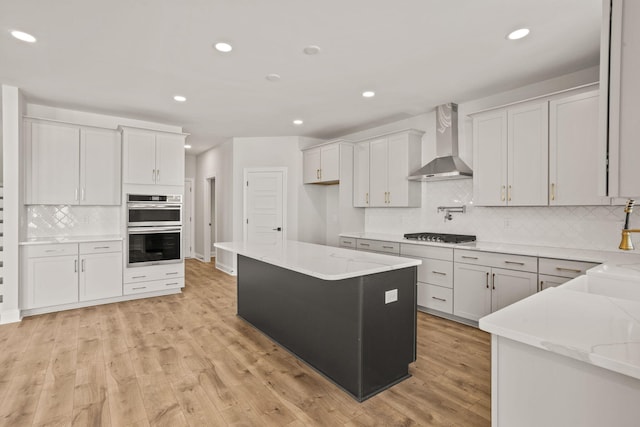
(361,175)
(620,103)
(511,156)
(321,165)
(100,161)
(152,157)
(390,160)
(72,165)
(573,150)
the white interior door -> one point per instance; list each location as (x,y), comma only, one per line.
(187,219)
(264,207)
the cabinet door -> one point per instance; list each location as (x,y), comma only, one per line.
(471,291)
(378,172)
(545,281)
(139,160)
(490,159)
(330,163)
(361,175)
(624,103)
(573,151)
(52,281)
(100,276)
(170,159)
(100,171)
(397,171)
(509,286)
(528,155)
(311,166)
(55,164)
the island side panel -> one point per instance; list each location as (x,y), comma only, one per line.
(317,320)
(389,329)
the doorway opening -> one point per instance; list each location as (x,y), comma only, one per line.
(187,219)
(210,218)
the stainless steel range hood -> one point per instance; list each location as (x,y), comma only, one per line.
(447,164)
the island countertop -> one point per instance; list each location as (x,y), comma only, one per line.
(323,262)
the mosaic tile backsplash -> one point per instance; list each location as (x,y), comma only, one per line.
(586,227)
(64,220)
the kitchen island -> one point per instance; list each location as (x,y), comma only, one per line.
(350,315)
(570,355)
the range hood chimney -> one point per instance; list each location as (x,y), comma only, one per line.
(447,164)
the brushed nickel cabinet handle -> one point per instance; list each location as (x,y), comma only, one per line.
(138,277)
(157,176)
(153,175)
(553,191)
(75,194)
(75,266)
(387,247)
(509,194)
(101,247)
(439,299)
(514,262)
(138,288)
(366,197)
(83,263)
(364,244)
(502,193)
(171,273)
(171,284)
(469,257)
(439,272)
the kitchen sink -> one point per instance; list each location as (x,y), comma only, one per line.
(605,285)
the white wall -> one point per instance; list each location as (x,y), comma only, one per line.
(12,111)
(190,166)
(218,163)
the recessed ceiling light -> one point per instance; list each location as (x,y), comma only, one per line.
(187,146)
(223,47)
(179,98)
(518,34)
(273,77)
(25,37)
(368,94)
(297,122)
(312,50)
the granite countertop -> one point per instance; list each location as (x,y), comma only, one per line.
(69,239)
(323,262)
(589,255)
(570,320)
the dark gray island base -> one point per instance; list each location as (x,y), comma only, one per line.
(342,328)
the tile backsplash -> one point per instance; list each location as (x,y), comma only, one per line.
(65,220)
(586,227)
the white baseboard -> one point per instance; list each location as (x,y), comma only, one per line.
(199,257)
(11,316)
(229,270)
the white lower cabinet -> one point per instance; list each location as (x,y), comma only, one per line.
(435,276)
(481,288)
(153,278)
(57,274)
(554,272)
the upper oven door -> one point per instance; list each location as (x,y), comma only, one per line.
(154,214)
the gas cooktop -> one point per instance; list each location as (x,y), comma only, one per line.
(440,237)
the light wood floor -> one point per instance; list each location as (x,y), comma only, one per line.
(188,360)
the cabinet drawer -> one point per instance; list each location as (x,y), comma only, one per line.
(563,268)
(436,272)
(54,249)
(545,281)
(347,242)
(155,285)
(379,246)
(100,247)
(435,297)
(424,251)
(491,259)
(155,272)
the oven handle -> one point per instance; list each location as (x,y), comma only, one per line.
(153,206)
(154,230)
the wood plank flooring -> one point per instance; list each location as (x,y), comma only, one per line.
(187,359)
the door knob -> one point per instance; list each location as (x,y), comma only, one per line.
(277,229)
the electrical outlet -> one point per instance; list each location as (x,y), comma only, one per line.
(391,296)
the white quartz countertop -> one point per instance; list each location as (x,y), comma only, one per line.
(69,239)
(570,320)
(323,262)
(530,250)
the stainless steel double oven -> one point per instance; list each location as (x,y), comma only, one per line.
(154,229)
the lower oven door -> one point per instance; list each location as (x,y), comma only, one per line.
(153,245)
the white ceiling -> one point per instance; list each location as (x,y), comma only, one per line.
(131,57)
